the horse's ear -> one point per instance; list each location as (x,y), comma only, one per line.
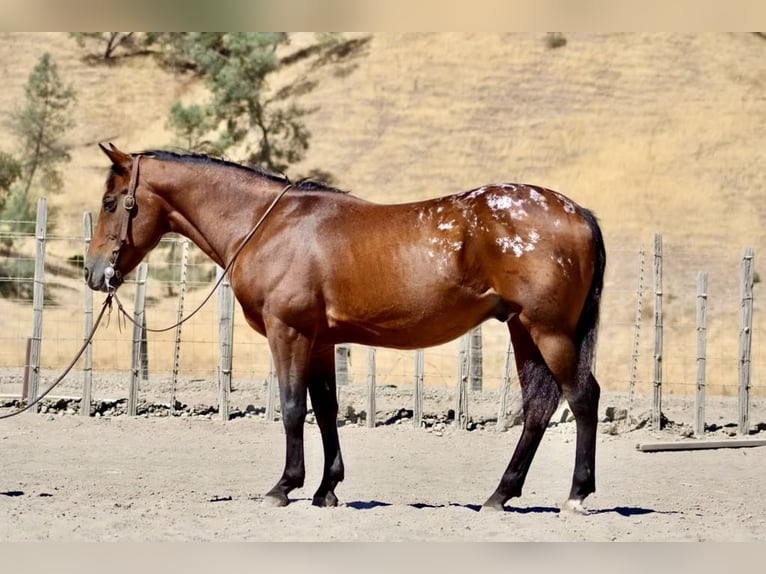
(119,158)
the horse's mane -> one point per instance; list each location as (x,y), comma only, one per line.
(303,184)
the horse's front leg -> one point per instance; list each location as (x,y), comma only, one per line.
(291,353)
(325,402)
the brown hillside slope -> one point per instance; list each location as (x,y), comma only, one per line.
(654,132)
(669,127)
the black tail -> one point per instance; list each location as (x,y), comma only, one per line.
(587,326)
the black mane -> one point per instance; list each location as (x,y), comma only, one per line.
(303,184)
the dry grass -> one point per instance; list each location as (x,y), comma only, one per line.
(654,132)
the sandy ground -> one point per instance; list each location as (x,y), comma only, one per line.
(71,478)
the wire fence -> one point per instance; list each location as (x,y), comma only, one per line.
(180,276)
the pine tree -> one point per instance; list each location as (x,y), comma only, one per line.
(10,171)
(241,111)
(39,127)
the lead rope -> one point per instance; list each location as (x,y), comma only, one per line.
(247,238)
(113,296)
(70,366)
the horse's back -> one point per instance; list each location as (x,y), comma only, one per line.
(407,274)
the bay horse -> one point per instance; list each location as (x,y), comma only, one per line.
(326,267)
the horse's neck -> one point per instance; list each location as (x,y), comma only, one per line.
(216,215)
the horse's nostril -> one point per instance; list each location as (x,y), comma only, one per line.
(87,273)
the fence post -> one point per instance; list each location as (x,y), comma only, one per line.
(342,360)
(745,339)
(417,407)
(225,344)
(476,366)
(144,352)
(37,301)
(179,318)
(139,309)
(271,389)
(371,387)
(505,388)
(657,379)
(87,379)
(461,408)
(699,426)
(636,331)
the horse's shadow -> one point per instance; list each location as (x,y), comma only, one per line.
(626,511)
(367,505)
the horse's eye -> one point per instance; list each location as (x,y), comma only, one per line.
(110,204)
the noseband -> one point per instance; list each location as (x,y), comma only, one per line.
(129,203)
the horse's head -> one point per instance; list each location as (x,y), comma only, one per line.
(128,226)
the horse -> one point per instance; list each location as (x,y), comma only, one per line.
(321,266)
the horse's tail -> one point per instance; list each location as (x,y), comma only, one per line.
(587,326)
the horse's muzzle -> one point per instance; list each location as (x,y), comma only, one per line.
(102,277)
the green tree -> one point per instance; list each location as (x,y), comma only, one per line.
(241,110)
(39,126)
(191,124)
(10,171)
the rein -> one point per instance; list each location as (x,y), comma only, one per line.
(129,203)
(70,366)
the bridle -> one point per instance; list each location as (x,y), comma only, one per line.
(129,204)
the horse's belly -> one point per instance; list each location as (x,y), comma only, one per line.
(418,327)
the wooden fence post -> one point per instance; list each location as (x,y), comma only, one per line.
(461,408)
(699,421)
(342,360)
(179,318)
(87,379)
(225,345)
(475,362)
(371,387)
(38,296)
(139,309)
(745,339)
(417,407)
(636,332)
(657,379)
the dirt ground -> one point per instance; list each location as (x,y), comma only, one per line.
(68,478)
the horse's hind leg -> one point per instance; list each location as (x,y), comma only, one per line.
(325,403)
(540,395)
(583,400)
(572,370)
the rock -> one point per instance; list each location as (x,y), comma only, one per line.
(564,416)
(351,415)
(616,414)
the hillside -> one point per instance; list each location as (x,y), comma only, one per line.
(670,127)
(654,132)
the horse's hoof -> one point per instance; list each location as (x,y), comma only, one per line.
(275,500)
(574,507)
(493,505)
(328,500)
